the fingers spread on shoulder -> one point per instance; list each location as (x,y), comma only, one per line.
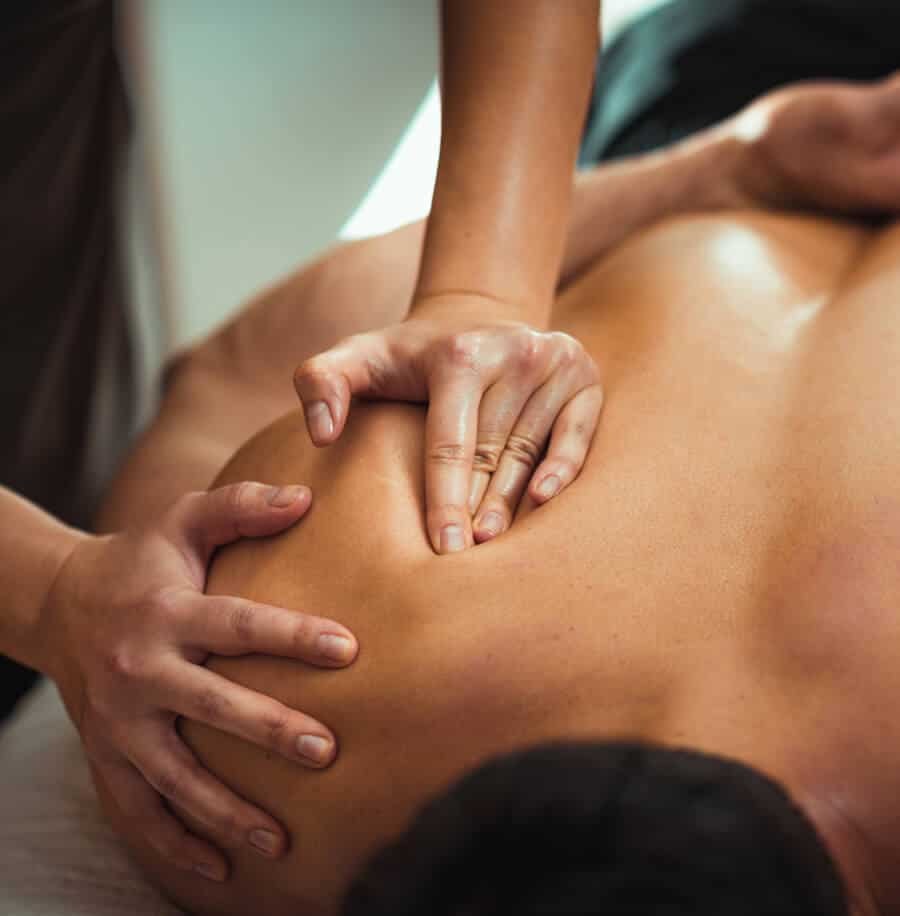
(501,407)
(172,769)
(143,809)
(572,371)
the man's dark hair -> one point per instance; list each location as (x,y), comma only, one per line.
(618,828)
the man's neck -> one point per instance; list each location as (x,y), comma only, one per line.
(834,783)
(850,849)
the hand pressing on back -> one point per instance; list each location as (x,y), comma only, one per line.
(511,410)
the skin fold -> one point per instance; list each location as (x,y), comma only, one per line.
(721,576)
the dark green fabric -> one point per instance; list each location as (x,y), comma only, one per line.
(693,63)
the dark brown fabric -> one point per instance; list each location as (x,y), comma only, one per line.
(63,321)
(66,381)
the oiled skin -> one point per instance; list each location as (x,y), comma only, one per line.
(724,575)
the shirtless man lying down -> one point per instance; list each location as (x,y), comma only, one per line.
(707,618)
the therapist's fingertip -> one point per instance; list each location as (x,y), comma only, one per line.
(211,871)
(286,497)
(319,421)
(336,647)
(266,842)
(548,487)
(316,750)
(453,539)
(488,526)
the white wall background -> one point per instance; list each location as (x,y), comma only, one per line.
(265,126)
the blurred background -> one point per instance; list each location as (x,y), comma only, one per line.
(266,131)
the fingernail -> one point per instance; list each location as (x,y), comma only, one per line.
(318,416)
(492,523)
(212,872)
(452,539)
(314,748)
(337,648)
(282,497)
(264,840)
(549,486)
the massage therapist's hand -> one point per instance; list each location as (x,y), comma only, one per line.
(826,145)
(128,631)
(498,391)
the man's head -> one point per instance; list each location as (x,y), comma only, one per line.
(612,827)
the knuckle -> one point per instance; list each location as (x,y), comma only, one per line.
(462,350)
(377,372)
(487,456)
(310,368)
(275,722)
(523,449)
(239,496)
(579,430)
(179,521)
(582,424)
(122,663)
(569,358)
(211,705)
(304,632)
(452,454)
(229,827)
(169,782)
(166,606)
(189,500)
(242,622)
(569,352)
(528,350)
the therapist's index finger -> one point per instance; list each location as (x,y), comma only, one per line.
(450,434)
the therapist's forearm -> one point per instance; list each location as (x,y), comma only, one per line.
(226,389)
(33,547)
(516,78)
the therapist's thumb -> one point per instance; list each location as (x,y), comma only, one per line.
(203,521)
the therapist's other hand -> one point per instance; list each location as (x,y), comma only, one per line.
(827,145)
(127,631)
(499,394)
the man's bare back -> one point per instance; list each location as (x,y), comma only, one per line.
(722,576)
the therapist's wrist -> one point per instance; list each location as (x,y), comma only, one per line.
(43,651)
(474,305)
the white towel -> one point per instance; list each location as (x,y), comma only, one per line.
(58,856)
